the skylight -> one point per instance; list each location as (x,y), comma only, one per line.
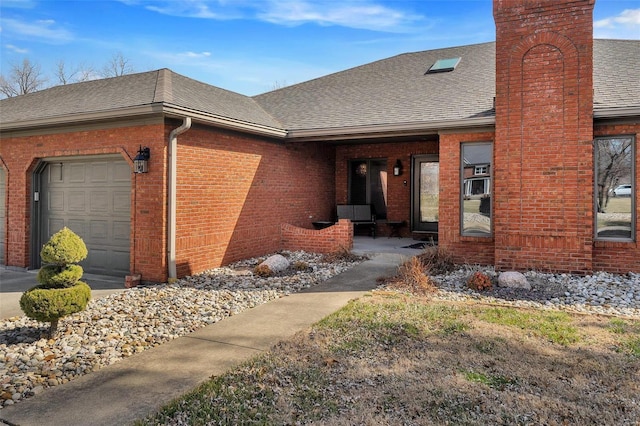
(444,65)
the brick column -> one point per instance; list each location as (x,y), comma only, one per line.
(544,129)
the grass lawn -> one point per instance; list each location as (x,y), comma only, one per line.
(391,358)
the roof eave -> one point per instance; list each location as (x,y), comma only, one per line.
(388,130)
(616,112)
(159,108)
(81,118)
(224,122)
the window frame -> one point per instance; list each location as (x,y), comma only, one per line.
(634,188)
(490,184)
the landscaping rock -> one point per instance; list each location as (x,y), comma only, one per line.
(276,263)
(513,279)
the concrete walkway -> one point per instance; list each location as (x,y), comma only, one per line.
(138,386)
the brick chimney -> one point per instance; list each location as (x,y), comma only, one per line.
(543,187)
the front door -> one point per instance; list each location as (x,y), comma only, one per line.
(425,193)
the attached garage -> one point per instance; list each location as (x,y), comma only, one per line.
(3,214)
(92,197)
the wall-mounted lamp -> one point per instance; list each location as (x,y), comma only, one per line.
(141,162)
(397,169)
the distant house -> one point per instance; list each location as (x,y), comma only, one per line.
(540,124)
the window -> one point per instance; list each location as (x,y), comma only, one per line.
(444,65)
(475,190)
(368,184)
(614,192)
(481,170)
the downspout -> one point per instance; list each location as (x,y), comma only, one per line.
(173,174)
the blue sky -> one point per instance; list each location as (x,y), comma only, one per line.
(251,46)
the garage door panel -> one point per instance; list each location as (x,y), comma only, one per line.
(121,231)
(54,173)
(100,202)
(121,172)
(77,202)
(121,201)
(77,173)
(99,172)
(55,201)
(99,231)
(97,208)
(53,226)
(79,226)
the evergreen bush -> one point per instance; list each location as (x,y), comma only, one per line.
(60,292)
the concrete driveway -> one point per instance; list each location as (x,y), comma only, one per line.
(14,283)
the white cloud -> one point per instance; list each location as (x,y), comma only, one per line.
(16,49)
(626,25)
(196,55)
(352,14)
(44,30)
(628,17)
(362,14)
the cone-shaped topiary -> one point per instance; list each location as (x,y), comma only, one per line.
(60,292)
(63,248)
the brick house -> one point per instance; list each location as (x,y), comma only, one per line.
(545,119)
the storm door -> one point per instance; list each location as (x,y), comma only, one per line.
(425,193)
(368,184)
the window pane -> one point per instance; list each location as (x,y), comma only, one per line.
(614,192)
(368,184)
(476,188)
(429,191)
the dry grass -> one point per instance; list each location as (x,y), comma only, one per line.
(393,359)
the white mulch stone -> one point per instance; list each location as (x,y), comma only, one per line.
(122,324)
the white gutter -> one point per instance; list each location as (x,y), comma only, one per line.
(171,208)
(398,129)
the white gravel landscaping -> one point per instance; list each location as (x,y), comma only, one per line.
(122,324)
(119,325)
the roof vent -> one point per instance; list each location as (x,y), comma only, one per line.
(444,65)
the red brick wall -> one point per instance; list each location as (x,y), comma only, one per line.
(336,238)
(235,191)
(399,194)
(544,129)
(464,249)
(21,155)
(616,256)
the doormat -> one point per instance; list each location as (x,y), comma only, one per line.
(418,246)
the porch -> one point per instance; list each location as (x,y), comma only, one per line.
(365,245)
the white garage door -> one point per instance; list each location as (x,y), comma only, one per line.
(3,213)
(93,199)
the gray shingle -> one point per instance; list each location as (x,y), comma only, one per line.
(161,86)
(616,74)
(391,91)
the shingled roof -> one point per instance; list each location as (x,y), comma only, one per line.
(145,92)
(390,93)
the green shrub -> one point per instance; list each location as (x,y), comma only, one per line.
(63,248)
(60,292)
(48,304)
(56,276)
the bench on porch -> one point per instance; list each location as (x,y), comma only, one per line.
(359,215)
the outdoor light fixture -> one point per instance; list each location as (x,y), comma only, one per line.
(141,162)
(397,169)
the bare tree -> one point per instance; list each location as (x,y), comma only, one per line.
(22,79)
(75,75)
(613,160)
(279,84)
(118,65)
